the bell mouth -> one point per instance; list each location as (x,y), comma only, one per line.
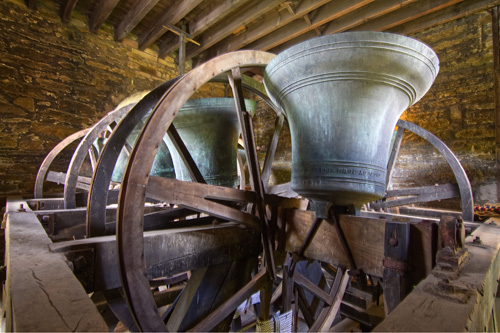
(342,95)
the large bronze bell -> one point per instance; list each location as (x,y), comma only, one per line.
(210,129)
(342,95)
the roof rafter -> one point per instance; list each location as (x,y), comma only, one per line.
(320,16)
(66,10)
(101,13)
(405,14)
(246,14)
(274,20)
(201,23)
(454,12)
(133,17)
(173,15)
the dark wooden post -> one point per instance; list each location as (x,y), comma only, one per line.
(182,50)
(396,261)
(496,69)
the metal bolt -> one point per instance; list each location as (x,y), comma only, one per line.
(477,240)
(393,242)
(21,208)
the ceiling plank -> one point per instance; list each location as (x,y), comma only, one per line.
(451,13)
(133,17)
(405,14)
(101,13)
(206,20)
(321,16)
(350,20)
(248,13)
(200,23)
(66,10)
(269,23)
(173,15)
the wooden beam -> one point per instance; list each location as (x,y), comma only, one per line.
(245,15)
(496,69)
(200,23)
(267,24)
(171,16)
(405,14)
(365,237)
(32,4)
(133,17)
(442,16)
(194,195)
(349,20)
(320,16)
(464,302)
(189,248)
(66,10)
(41,292)
(101,13)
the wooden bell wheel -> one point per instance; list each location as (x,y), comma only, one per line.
(137,184)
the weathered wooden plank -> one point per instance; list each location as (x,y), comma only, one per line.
(464,303)
(42,292)
(405,14)
(200,23)
(101,13)
(320,16)
(347,21)
(365,237)
(66,10)
(133,17)
(194,196)
(442,16)
(171,16)
(267,24)
(246,14)
(83,183)
(169,252)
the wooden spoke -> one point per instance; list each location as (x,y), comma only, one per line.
(188,161)
(271,149)
(327,315)
(194,195)
(394,155)
(430,193)
(225,309)
(253,165)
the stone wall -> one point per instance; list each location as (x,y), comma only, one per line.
(56,79)
(459,109)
